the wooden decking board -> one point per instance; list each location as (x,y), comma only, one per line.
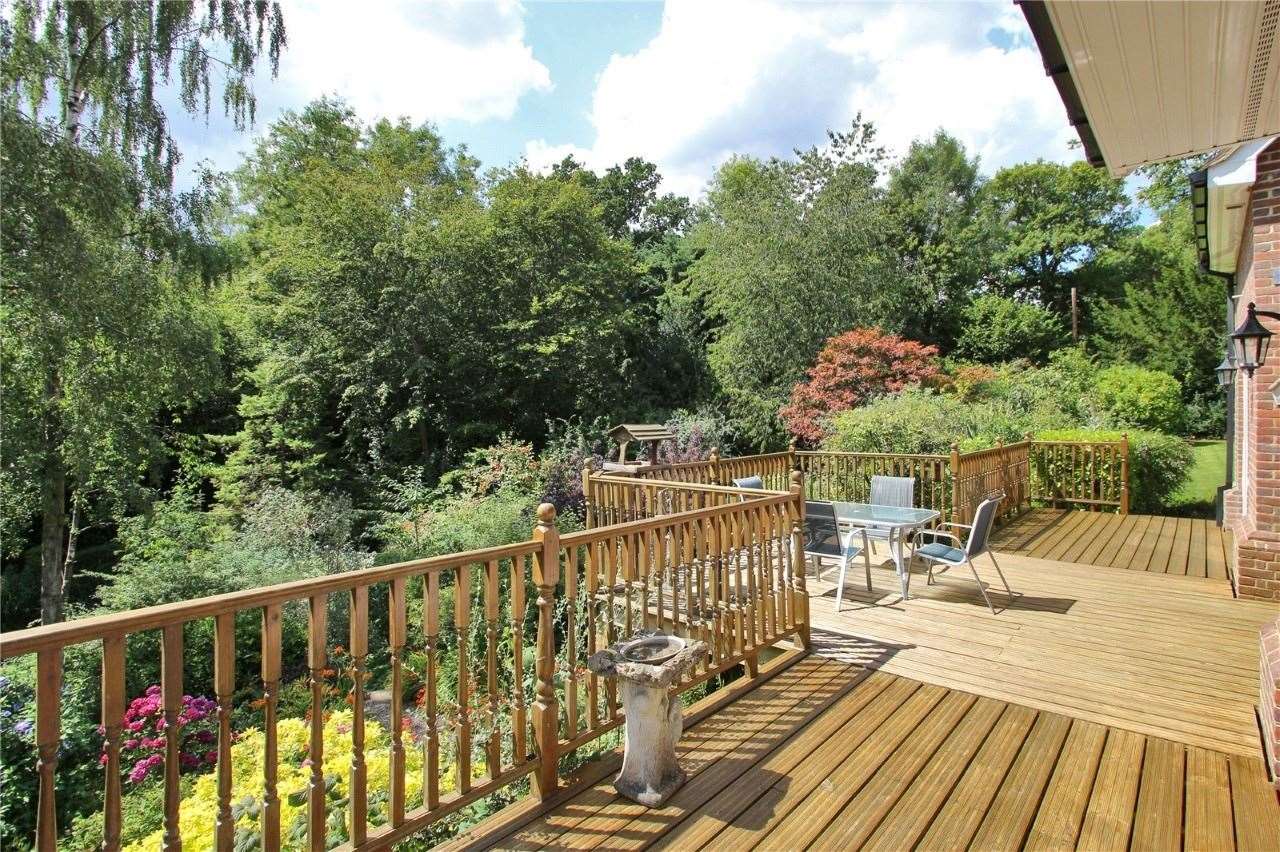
(849,827)
(1191,547)
(1155,653)
(1006,823)
(1209,823)
(1108,818)
(933,769)
(957,820)
(1057,823)
(841,731)
(912,814)
(1157,822)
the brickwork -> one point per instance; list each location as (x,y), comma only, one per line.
(1255,517)
(1269,693)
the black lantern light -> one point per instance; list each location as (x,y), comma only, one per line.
(1226,370)
(1251,339)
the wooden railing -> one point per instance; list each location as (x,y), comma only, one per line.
(702,562)
(1094,475)
(1091,475)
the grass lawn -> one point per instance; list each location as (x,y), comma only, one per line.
(1208,472)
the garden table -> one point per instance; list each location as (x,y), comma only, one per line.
(897,521)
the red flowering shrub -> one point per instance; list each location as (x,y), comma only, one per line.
(144,727)
(852,368)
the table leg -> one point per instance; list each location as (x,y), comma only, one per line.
(895,547)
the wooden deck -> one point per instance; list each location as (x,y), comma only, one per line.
(826,755)
(1161,655)
(1191,547)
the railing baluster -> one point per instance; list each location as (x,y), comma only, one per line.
(462,623)
(494,747)
(317,660)
(171,696)
(593,688)
(431,630)
(224,685)
(571,638)
(358,643)
(113,724)
(271,700)
(519,718)
(396,629)
(48,737)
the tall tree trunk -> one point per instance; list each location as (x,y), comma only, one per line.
(73,538)
(53,505)
(53,528)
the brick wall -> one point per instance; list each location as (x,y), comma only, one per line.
(1255,517)
(1269,693)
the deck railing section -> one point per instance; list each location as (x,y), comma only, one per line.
(712,563)
(1002,468)
(1091,475)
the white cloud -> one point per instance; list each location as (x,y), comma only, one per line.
(764,78)
(432,62)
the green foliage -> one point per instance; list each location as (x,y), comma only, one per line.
(1158,464)
(996,329)
(792,253)
(1052,221)
(99,64)
(940,242)
(1137,398)
(925,421)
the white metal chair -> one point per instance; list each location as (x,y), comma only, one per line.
(824,539)
(938,553)
(897,491)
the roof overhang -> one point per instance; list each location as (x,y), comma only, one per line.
(1150,81)
(1219,193)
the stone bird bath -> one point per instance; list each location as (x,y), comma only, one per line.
(646,665)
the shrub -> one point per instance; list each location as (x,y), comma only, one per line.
(1158,464)
(852,368)
(924,421)
(998,329)
(1133,397)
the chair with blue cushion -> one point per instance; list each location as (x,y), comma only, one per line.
(823,539)
(977,544)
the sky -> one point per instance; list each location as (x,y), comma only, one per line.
(685,84)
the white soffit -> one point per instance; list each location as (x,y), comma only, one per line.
(1161,80)
(1229,180)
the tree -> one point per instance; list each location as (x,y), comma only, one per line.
(941,244)
(106,342)
(88,225)
(405,311)
(791,253)
(852,368)
(997,329)
(1053,222)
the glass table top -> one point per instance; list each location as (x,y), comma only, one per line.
(892,516)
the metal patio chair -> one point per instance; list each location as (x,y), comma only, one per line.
(977,544)
(823,539)
(897,491)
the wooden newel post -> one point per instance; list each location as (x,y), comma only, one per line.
(714,459)
(1124,474)
(793,460)
(799,588)
(546,711)
(587,503)
(955,485)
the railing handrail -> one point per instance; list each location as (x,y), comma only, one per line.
(758,500)
(28,640)
(847,454)
(682,486)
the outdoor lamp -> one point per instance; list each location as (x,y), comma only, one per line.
(1252,339)
(1226,370)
